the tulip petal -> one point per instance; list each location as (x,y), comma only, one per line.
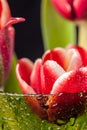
(36,77)
(64,8)
(4,12)
(49,73)
(73,60)
(57,54)
(71,82)
(1,72)
(65,106)
(13,20)
(7,43)
(0,8)
(23,71)
(6,49)
(80,7)
(82,52)
(69,59)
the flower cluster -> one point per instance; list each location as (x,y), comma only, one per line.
(59,72)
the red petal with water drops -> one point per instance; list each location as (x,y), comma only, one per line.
(71,82)
(36,77)
(49,73)
(6,48)
(68,58)
(72,60)
(65,106)
(57,54)
(82,52)
(23,71)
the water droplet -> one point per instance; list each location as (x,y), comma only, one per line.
(50,128)
(72,121)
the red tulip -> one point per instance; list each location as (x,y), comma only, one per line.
(61,75)
(6,39)
(71,9)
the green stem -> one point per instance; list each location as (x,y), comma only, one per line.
(56,31)
(82,34)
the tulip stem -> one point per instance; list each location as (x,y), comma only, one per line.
(82,34)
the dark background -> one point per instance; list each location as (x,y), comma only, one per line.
(28,39)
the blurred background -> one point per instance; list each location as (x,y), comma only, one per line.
(28,38)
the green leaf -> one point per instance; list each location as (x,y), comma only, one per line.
(11,84)
(56,31)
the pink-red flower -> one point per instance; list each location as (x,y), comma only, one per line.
(6,39)
(71,9)
(62,73)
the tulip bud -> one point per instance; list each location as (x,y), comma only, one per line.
(71,9)
(6,39)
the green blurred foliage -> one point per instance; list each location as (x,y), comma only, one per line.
(56,31)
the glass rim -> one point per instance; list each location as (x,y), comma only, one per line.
(33,95)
